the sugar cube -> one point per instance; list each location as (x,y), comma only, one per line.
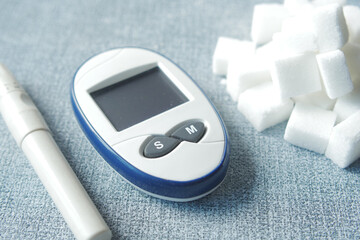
(267,20)
(294,7)
(309,54)
(245,74)
(352,17)
(327,2)
(348,104)
(344,143)
(330,27)
(335,73)
(295,43)
(267,52)
(296,75)
(299,23)
(352,55)
(228,48)
(310,127)
(319,99)
(262,106)
(291,4)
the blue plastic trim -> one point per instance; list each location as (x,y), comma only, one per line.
(149,183)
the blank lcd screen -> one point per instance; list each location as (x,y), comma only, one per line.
(138,98)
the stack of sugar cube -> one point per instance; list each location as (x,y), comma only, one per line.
(302,65)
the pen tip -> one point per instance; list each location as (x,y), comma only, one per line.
(5,74)
(7,80)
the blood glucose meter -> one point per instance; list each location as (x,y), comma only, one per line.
(151,123)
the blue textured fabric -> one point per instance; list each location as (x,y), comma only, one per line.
(273,190)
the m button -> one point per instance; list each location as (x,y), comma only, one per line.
(191,132)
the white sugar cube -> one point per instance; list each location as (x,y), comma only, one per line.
(310,127)
(228,48)
(267,52)
(335,73)
(319,99)
(352,17)
(352,55)
(244,74)
(348,104)
(295,7)
(344,143)
(262,106)
(299,23)
(327,2)
(330,27)
(296,75)
(266,49)
(295,43)
(292,5)
(267,20)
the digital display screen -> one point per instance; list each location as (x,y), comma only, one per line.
(138,98)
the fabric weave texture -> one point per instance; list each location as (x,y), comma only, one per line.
(273,190)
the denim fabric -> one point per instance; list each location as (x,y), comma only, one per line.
(273,190)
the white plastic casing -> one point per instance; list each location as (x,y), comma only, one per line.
(186,162)
(33,136)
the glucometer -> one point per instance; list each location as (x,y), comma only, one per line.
(151,122)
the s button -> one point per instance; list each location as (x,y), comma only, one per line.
(160,146)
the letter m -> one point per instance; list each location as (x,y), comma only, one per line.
(191,129)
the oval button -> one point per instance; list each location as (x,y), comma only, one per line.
(160,146)
(191,132)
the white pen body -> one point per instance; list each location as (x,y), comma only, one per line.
(33,136)
(63,186)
